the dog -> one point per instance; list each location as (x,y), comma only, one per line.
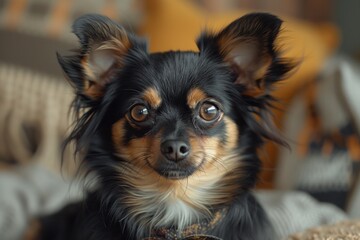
(172,138)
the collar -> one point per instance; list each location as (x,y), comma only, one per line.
(197,231)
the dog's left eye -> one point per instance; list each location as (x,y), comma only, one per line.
(209,112)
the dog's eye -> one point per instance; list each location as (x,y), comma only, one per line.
(139,113)
(209,112)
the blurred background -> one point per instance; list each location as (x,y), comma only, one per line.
(318,111)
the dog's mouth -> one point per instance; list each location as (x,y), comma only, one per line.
(176,171)
(176,174)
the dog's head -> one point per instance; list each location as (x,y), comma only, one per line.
(173,117)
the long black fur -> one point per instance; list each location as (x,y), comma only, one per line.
(102,215)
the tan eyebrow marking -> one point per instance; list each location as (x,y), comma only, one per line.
(152,96)
(194,96)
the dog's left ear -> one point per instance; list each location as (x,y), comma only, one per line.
(247,47)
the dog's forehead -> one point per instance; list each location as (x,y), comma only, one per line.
(177,74)
(183,68)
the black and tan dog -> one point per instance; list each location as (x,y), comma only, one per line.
(171,137)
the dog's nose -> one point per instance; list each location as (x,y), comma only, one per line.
(175,150)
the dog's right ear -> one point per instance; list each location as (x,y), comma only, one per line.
(104,47)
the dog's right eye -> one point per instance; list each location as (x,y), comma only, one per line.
(139,113)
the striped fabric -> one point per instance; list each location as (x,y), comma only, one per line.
(292,212)
(337,176)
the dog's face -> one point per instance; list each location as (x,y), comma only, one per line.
(176,117)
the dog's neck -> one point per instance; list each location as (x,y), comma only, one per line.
(196,231)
